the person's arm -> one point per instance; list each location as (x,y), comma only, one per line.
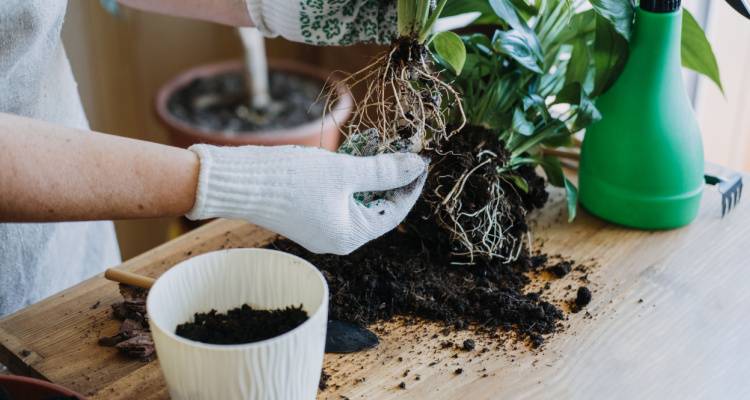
(53,173)
(323,22)
(227,12)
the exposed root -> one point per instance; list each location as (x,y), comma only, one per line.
(471,200)
(404,101)
(406,108)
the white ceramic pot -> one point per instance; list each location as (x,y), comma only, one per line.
(284,367)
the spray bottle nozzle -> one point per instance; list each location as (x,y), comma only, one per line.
(660,6)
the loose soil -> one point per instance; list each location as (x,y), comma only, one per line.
(417,270)
(220,103)
(241,325)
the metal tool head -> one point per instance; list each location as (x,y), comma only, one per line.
(731,192)
(742,7)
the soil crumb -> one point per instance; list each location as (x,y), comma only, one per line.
(324,377)
(240,325)
(583,297)
(220,103)
(560,269)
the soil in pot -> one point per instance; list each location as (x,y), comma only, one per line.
(241,325)
(220,103)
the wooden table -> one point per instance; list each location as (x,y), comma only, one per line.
(670,318)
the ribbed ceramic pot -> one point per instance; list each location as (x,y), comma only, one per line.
(284,367)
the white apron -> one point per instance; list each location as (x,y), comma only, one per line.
(37,260)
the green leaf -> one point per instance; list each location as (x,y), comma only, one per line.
(581,26)
(451,49)
(522,46)
(619,12)
(524,8)
(553,129)
(610,54)
(520,124)
(553,169)
(571,193)
(430,18)
(457,7)
(697,53)
(520,183)
(570,94)
(586,113)
(579,63)
(507,12)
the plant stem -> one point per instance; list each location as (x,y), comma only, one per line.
(407,15)
(426,29)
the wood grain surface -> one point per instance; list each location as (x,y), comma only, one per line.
(669,319)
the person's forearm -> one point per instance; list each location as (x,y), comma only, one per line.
(228,12)
(53,173)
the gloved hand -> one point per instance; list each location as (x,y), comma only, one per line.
(306,194)
(326,22)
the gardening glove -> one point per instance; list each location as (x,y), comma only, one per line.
(307,194)
(326,22)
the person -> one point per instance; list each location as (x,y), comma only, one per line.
(61,184)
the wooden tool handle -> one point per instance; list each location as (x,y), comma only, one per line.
(129,278)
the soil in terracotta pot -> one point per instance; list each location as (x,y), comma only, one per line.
(220,103)
(240,325)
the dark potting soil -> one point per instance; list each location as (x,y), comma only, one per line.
(221,103)
(411,271)
(583,297)
(241,325)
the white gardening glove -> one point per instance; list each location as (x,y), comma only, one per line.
(326,22)
(306,194)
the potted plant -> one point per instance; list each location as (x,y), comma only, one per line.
(239,102)
(487,108)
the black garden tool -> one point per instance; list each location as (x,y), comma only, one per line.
(345,337)
(730,188)
(742,7)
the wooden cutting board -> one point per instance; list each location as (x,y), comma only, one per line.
(670,318)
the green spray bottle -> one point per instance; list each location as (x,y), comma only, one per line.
(642,164)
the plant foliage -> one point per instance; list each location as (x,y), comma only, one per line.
(534,80)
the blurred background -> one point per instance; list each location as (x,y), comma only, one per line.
(121,61)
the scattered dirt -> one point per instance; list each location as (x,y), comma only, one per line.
(240,325)
(560,269)
(405,273)
(134,337)
(583,297)
(324,377)
(220,103)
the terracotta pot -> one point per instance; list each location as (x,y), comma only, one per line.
(320,133)
(21,387)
